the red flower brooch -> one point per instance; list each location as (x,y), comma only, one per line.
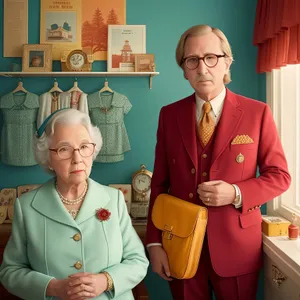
(103,214)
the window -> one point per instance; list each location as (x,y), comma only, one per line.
(283,96)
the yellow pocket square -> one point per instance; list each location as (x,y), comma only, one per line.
(242,139)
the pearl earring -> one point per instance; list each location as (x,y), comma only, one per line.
(50,168)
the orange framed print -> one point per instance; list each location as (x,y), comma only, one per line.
(124,41)
(96,16)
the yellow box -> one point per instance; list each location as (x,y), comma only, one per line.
(275,226)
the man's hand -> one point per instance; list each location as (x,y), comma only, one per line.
(216,193)
(159,262)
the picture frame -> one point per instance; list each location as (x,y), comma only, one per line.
(22,189)
(126,189)
(144,63)
(37,58)
(60,25)
(124,41)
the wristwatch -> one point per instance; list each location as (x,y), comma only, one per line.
(237,195)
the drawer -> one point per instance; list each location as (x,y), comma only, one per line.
(279,284)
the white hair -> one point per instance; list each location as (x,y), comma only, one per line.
(67,117)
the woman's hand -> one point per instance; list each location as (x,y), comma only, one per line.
(81,285)
(61,289)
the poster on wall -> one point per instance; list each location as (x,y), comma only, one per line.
(15,27)
(124,41)
(61,25)
(96,16)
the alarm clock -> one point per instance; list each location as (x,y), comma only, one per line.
(141,188)
(76,61)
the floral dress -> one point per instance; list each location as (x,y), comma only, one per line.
(107,113)
(19,126)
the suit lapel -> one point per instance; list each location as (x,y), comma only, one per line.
(95,199)
(229,121)
(48,203)
(187,127)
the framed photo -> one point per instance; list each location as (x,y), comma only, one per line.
(126,190)
(144,63)
(124,41)
(37,58)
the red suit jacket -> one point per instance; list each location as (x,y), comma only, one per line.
(234,235)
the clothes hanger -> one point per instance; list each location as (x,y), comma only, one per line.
(20,88)
(75,87)
(55,87)
(106,88)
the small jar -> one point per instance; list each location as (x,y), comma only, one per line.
(293,229)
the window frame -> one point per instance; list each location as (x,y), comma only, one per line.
(283,97)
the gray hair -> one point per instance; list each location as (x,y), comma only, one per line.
(65,116)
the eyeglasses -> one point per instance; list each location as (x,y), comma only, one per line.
(66,152)
(210,60)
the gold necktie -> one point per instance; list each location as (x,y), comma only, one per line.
(206,125)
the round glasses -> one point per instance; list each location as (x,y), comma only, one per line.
(66,152)
(210,60)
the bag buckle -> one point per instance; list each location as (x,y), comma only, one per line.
(168,232)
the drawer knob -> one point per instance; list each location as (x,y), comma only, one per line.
(277,276)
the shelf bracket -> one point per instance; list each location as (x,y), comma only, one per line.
(150,82)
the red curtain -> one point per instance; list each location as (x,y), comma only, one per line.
(277,34)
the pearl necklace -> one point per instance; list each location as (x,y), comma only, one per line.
(75,201)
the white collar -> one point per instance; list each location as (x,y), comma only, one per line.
(216,103)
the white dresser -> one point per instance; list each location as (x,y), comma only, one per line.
(281,268)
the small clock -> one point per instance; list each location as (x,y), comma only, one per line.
(77,60)
(141,187)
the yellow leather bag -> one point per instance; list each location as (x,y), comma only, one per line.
(183,226)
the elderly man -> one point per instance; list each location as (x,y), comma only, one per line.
(208,148)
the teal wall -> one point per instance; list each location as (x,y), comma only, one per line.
(165,22)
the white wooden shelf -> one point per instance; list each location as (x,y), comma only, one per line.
(81,74)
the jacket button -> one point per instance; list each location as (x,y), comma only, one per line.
(204,174)
(78,265)
(204,155)
(193,171)
(191,195)
(77,237)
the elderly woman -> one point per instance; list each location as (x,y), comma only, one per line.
(72,238)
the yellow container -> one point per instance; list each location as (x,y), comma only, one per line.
(275,226)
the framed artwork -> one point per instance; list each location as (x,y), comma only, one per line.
(144,63)
(126,190)
(124,41)
(96,16)
(37,58)
(7,200)
(22,189)
(60,25)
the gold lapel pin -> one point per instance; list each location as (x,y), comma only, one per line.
(240,158)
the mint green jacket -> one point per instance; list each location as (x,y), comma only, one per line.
(42,246)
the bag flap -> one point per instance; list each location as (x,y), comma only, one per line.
(173,214)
